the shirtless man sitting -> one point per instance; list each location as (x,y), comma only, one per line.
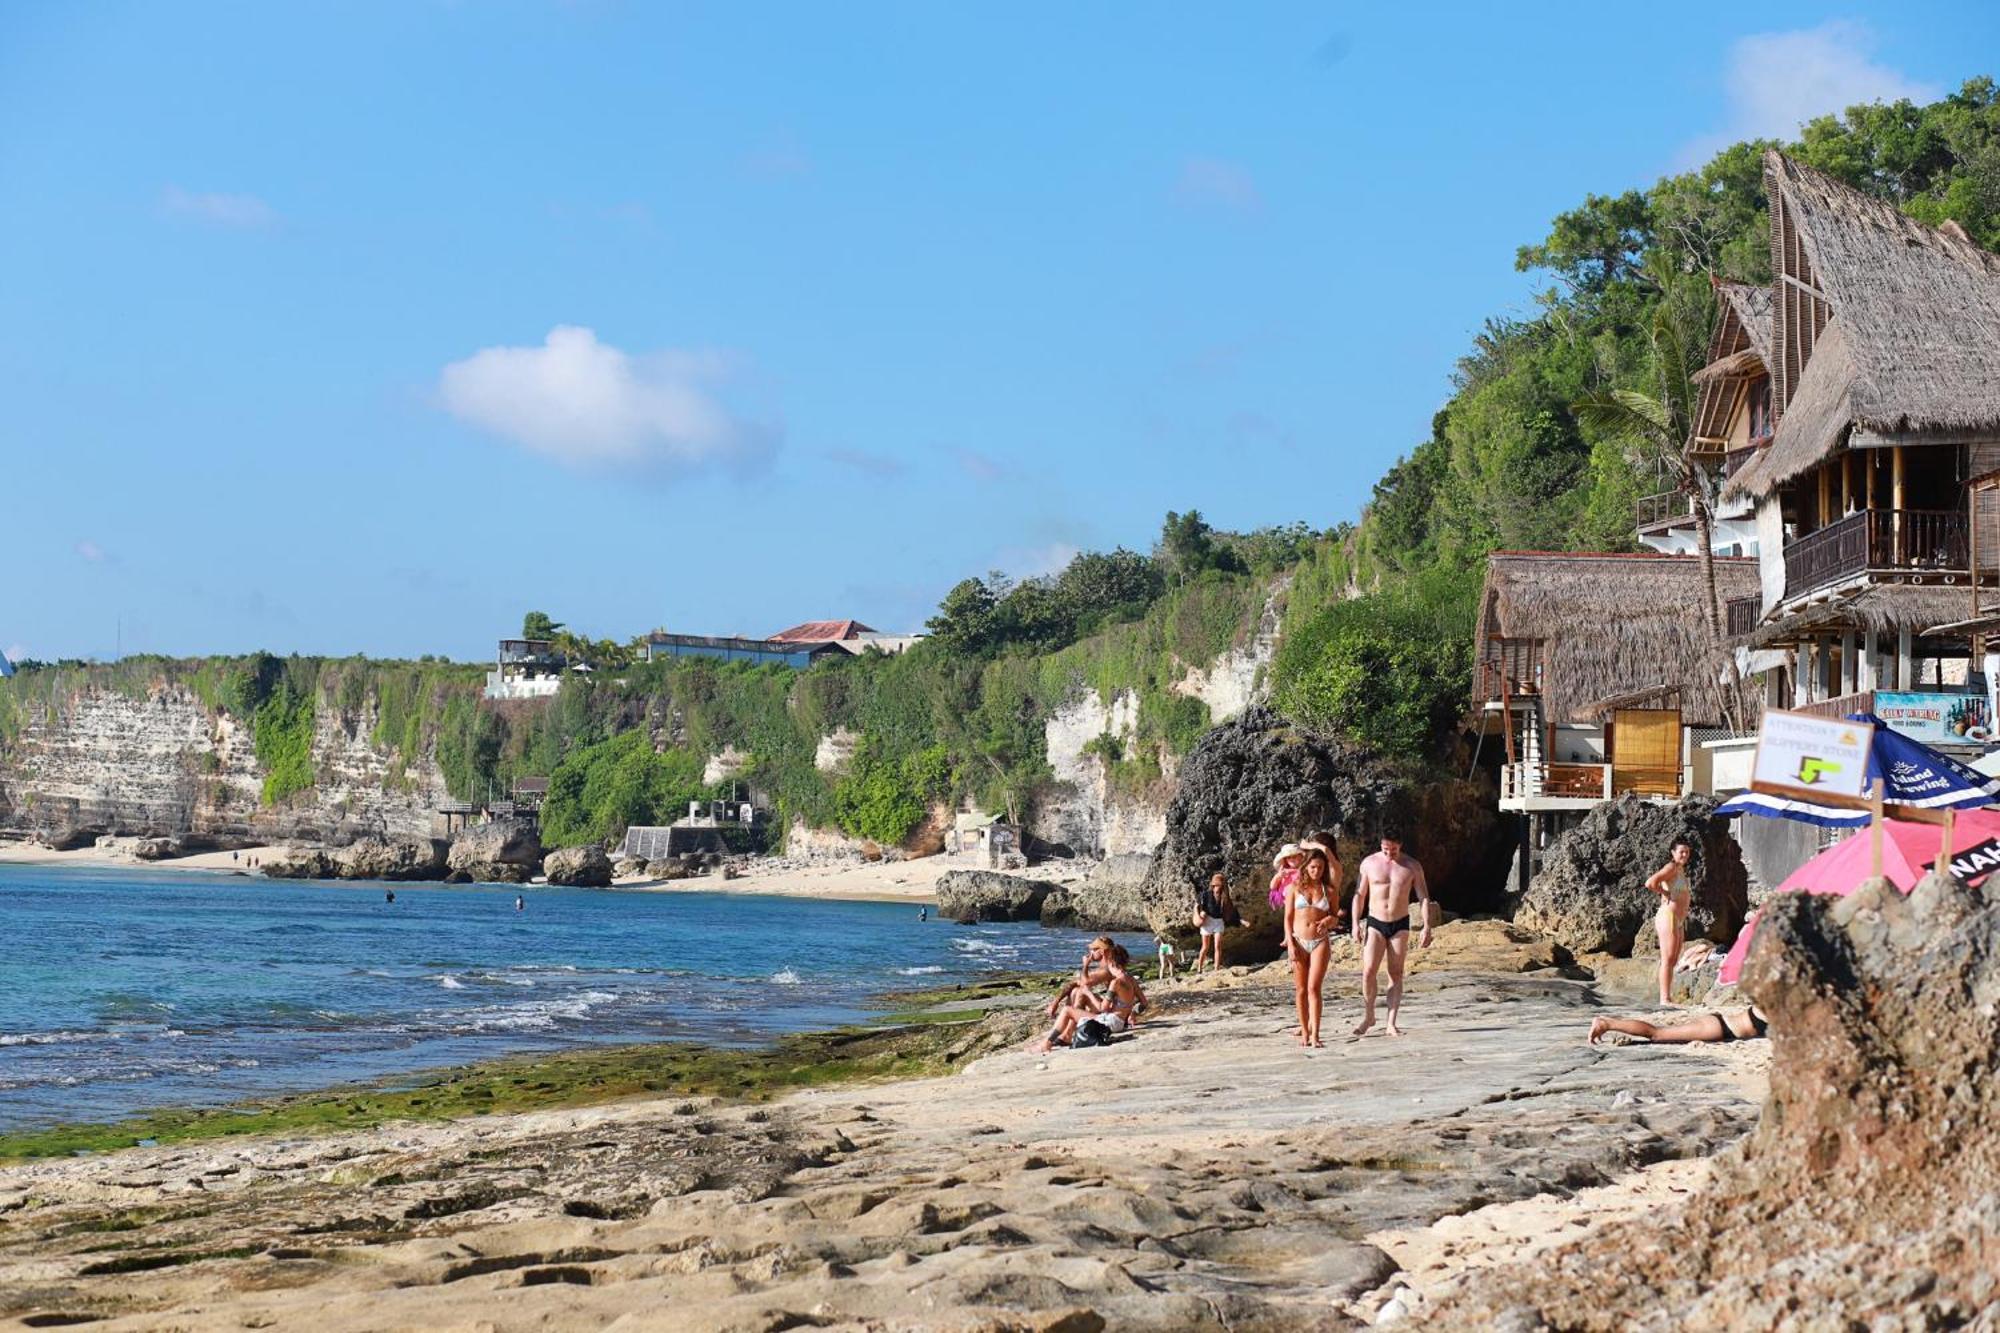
(1389,880)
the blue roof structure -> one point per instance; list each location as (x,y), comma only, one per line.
(6,667)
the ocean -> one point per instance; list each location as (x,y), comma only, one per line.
(122,990)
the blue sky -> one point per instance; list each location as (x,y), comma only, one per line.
(366,327)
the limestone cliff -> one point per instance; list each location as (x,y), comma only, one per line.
(166,764)
(1091,811)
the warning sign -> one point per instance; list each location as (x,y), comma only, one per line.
(1811,758)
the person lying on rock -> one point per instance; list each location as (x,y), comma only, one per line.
(1715,1025)
(1095,1020)
(1092,977)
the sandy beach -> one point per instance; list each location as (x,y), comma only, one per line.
(1207,1172)
(873,881)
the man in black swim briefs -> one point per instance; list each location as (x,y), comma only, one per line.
(1389,881)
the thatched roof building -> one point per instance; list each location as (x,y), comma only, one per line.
(1615,629)
(1737,353)
(1881,326)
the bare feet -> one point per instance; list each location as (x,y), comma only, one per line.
(1364,1025)
(1392,1029)
(1316,1043)
(1598,1027)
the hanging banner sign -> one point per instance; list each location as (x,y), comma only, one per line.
(1811,758)
(1975,863)
(1937,719)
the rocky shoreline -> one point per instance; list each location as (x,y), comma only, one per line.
(1206,1173)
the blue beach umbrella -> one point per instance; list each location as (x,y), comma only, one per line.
(1911,773)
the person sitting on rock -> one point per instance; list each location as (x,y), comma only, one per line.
(1092,976)
(1094,1020)
(1715,1025)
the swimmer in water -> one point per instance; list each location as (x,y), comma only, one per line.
(390,896)
(520,903)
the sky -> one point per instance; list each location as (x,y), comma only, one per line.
(367,327)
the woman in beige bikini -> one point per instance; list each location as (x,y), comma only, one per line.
(1670,882)
(1310,916)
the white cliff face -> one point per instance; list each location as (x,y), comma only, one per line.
(836,751)
(1092,816)
(722,767)
(167,765)
(1238,678)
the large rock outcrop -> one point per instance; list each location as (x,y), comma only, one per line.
(1258,782)
(585,867)
(1865,1197)
(299,863)
(391,858)
(500,851)
(1109,898)
(972,896)
(1591,895)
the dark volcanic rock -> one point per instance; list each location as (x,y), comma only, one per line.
(1259,782)
(500,851)
(584,867)
(1591,893)
(971,896)
(392,859)
(1865,1196)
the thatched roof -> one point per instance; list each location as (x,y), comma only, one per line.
(1921,306)
(1750,307)
(1737,365)
(1736,353)
(1813,426)
(1882,609)
(1614,626)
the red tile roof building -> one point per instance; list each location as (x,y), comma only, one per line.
(822,631)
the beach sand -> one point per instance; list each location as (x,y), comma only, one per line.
(87,858)
(1206,1172)
(877,881)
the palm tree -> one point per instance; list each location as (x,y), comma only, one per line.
(1656,425)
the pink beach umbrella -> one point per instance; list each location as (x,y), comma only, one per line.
(1908,850)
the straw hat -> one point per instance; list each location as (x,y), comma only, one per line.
(1285,853)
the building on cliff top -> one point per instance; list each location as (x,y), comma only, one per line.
(662,646)
(848,635)
(526,669)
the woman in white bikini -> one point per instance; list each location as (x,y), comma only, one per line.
(1670,882)
(1308,920)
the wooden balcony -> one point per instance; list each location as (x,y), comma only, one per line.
(1895,541)
(1580,785)
(1740,615)
(1512,668)
(1665,510)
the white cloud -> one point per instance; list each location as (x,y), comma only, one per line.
(1050,559)
(244,212)
(588,404)
(18,652)
(92,552)
(1777,81)
(1213,182)
(978,466)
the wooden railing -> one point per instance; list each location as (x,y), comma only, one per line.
(1666,507)
(1585,782)
(1740,615)
(1511,667)
(1876,539)
(1840,707)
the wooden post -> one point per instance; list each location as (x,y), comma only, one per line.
(1875,829)
(1944,847)
(1896,499)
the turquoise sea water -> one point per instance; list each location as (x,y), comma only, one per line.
(122,990)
